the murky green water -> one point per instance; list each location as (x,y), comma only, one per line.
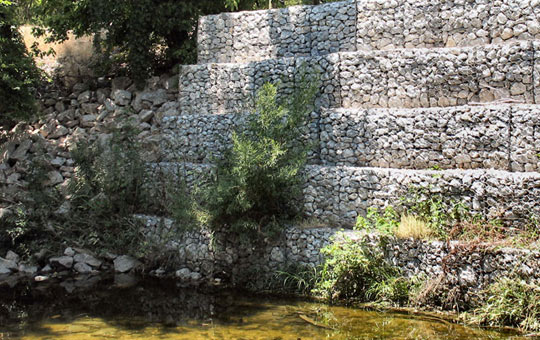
(161,310)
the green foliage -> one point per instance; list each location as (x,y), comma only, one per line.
(444,218)
(355,270)
(110,175)
(296,279)
(385,223)
(509,302)
(146,35)
(28,227)
(440,214)
(394,290)
(112,184)
(18,74)
(258,182)
(265,4)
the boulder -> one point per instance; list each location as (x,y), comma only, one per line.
(53,178)
(121,97)
(21,150)
(28,270)
(84,97)
(11,256)
(120,83)
(69,252)
(59,131)
(87,259)
(7,266)
(124,264)
(146,115)
(183,274)
(62,261)
(4,213)
(82,268)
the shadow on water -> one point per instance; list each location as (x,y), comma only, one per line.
(123,308)
(161,303)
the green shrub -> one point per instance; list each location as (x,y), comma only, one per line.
(439,213)
(385,223)
(29,226)
(355,270)
(422,214)
(111,184)
(258,182)
(111,175)
(19,75)
(509,302)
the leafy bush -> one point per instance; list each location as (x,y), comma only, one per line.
(355,270)
(18,74)
(28,227)
(385,223)
(265,4)
(111,176)
(112,183)
(296,279)
(439,213)
(509,302)
(258,183)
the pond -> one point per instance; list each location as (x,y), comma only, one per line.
(124,308)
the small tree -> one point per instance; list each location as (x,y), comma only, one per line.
(258,182)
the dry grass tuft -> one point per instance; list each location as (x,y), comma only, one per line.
(412,226)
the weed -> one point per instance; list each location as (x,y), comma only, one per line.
(411,226)
(297,279)
(509,301)
(385,223)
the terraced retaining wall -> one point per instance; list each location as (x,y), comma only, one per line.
(466,137)
(206,257)
(347,26)
(372,79)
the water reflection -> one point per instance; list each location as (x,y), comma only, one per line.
(118,309)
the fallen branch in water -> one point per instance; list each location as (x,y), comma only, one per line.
(312,322)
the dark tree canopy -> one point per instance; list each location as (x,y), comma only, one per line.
(18,72)
(145,35)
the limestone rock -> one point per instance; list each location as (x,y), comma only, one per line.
(146,115)
(183,274)
(121,97)
(82,268)
(7,266)
(120,83)
(62,261)
(124,264)
(53,178)
(58,132)
(87,259)
(69,252)
(21,150)
(12,256)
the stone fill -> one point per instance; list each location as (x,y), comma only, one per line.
(364,25)
(464,137)
(402,78)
